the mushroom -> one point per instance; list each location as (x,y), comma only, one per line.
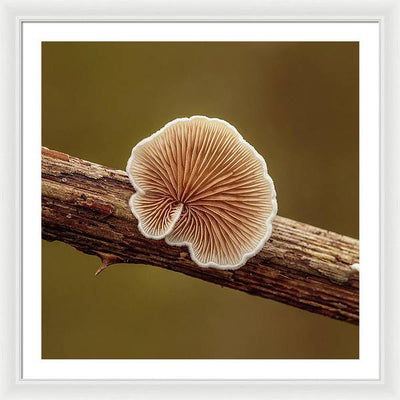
(200,184)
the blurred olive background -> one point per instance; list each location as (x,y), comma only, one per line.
(297,103)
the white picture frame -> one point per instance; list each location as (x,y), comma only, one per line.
(12,15)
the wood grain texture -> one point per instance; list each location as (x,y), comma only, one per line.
(86,205)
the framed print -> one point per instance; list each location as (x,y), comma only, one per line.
(124,68)
(245,249)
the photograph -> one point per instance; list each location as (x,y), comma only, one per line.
(200,200)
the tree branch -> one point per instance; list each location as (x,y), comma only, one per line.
(86,206)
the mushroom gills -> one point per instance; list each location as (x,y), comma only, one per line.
(200,184)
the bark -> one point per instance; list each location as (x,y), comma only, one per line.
(86,205)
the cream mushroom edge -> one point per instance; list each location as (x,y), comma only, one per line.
(199,184)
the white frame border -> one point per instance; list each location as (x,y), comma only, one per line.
(386,12)
(367,367)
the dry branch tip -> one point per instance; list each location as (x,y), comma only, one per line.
(106,261)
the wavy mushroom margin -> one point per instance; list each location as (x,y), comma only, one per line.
(210,264)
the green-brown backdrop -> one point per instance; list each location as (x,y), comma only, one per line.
(296,103)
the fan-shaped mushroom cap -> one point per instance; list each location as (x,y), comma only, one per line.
(200,184)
